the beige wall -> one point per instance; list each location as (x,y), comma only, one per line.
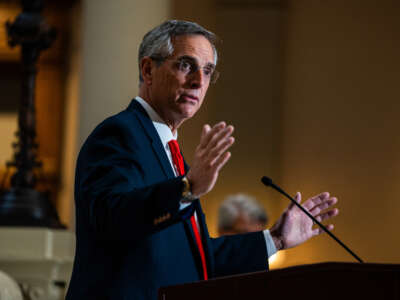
(247,96)
(111,34)
(340,121)
(311,89)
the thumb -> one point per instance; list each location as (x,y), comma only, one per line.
(297,197)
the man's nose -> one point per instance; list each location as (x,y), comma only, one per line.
(197,79)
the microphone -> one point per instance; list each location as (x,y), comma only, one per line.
(268,182)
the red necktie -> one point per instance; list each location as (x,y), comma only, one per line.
(180,167)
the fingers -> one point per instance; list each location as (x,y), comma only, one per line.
(323,205)
(216,153)
(209,132)
(215,142)
(313,201)
(318,231)
(210,156)
(222,160)
(327,215)
(219,137)
(318,207)
(206,129)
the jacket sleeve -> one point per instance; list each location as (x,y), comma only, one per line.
(242,253)
(116,195)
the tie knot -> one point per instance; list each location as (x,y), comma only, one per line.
(174,146)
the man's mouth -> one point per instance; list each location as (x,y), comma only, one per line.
(188,97)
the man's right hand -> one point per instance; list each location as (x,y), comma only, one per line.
(210,156)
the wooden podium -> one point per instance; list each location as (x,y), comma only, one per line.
(316,281)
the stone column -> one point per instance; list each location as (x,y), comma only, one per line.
(112,32)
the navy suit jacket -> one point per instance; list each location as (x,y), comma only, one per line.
(131,236)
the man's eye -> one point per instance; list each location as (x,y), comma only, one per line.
(184,66)
(208,71)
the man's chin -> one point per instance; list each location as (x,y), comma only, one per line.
(187,115)
(187,111)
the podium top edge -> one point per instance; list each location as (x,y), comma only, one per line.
(307,268)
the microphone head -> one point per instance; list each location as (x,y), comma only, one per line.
(266,180)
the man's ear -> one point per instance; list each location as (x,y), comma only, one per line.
(146,66)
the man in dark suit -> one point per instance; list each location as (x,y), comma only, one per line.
(139,223)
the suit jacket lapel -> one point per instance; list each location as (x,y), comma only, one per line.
(152,134)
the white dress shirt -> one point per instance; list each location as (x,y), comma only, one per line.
(166,135)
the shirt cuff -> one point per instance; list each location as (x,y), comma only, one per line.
(183,204)
(271,249)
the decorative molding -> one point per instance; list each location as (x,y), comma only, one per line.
(40,260)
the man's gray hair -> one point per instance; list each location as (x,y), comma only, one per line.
(235,205)
(157,43)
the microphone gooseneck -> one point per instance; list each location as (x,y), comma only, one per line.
(268,182)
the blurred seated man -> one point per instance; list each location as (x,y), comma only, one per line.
(241,213)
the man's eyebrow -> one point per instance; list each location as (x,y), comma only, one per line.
(194,60)
(187,57)
(210,65)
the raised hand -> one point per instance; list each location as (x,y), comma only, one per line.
(210,156)
(294,227)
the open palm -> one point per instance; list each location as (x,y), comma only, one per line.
(294,227)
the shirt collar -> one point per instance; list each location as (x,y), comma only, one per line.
(162,129)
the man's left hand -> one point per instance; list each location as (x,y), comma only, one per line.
(294,227)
